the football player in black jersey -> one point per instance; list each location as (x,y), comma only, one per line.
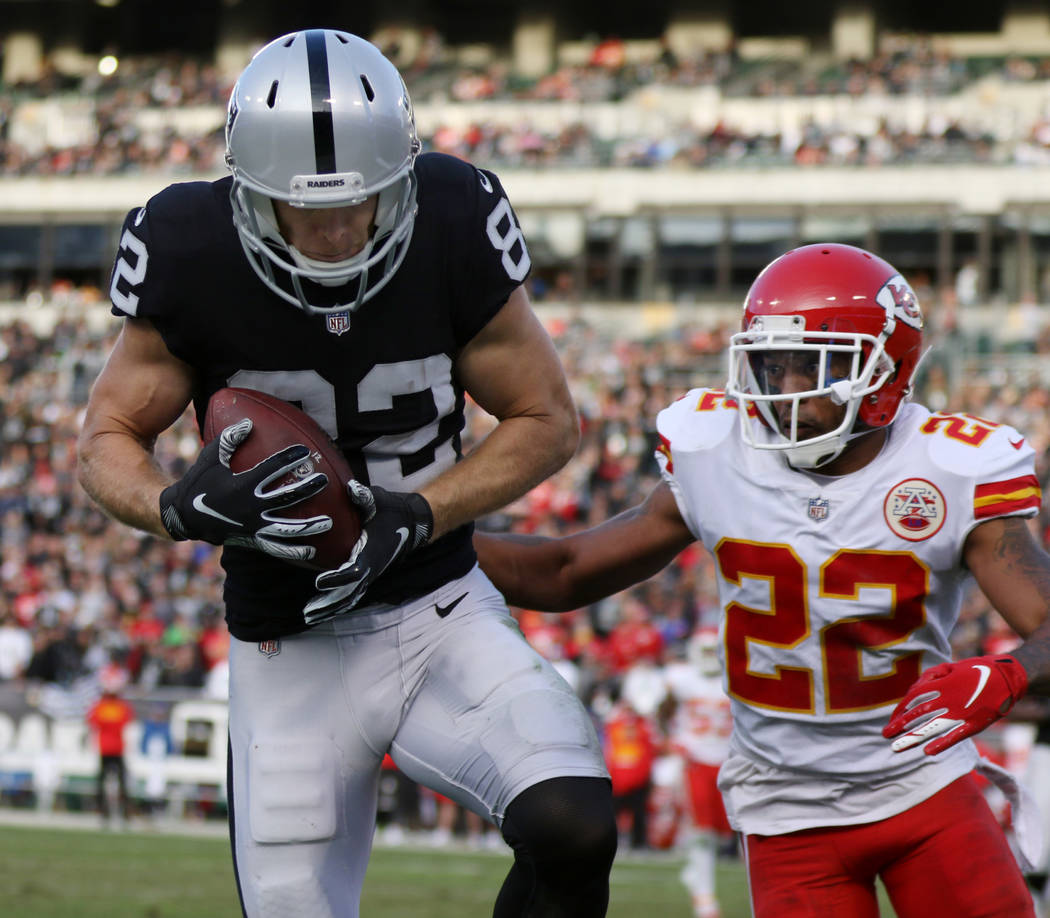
(375,288)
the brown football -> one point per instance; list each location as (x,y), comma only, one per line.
(277,424)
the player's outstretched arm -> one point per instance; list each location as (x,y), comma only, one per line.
(557,575)
(955,700)
(142,390)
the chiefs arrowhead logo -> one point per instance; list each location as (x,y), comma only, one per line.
(896,296)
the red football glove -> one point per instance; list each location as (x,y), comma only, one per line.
(955,700)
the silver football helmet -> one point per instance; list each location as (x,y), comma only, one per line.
(321,118)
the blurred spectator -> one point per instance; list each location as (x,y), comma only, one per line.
(634,638)
(57,655)
(107,718)
(181,663)
(967,287)
(156,746)
(16,648)
(1024,323)
(166,113)
(630,750)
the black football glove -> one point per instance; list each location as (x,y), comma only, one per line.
(213,503)
(393,524)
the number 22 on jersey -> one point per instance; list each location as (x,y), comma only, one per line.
(786,624)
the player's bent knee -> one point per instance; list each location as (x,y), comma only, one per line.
(566,821)
(292,791)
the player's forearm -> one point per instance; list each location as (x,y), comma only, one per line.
(1013,571)
(519,454)
(557,575)
(1034,656)
(121,476)
(530,571)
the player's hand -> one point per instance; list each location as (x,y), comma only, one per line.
(393,524)
(955,700)
(213,503)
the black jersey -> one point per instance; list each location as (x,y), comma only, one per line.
(381,380)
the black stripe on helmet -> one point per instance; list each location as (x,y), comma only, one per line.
(321,97)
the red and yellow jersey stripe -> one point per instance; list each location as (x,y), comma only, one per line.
(999,498)
(664,448)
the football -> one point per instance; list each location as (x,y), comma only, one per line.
(277,424)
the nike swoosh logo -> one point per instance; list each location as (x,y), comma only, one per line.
(1018,444)
(442,611)
(985,671)
(402,533)
(201,507)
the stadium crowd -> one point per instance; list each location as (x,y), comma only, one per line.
(125,122)
(81,595)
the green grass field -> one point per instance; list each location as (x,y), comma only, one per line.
(77,873)
(62,873)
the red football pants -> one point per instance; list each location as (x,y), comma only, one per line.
(945,856)
(705,800)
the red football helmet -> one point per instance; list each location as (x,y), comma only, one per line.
(848,309)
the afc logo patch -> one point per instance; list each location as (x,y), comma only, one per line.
(914,509)
(270,648)
(819,507)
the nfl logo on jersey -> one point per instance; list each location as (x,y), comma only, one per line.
(818,509)
(270,648)
(338,322)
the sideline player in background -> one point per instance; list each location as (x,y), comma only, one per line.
(844,523)
(338,270)
(698,725)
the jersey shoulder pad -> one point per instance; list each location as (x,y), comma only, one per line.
(700,420)
(441,174)
(167,242)
(465,200)
(995,457)
(467,228)
(183,215)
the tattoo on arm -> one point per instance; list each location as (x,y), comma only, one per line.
(1024,560)
(1018,552)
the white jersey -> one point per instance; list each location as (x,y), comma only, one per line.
(836,593)
(702,722)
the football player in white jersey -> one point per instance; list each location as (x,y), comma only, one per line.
(845,524)
(699,724)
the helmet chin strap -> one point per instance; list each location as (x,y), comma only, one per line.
(313,267)
(816,455)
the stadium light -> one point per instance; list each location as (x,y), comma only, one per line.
(108,65)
